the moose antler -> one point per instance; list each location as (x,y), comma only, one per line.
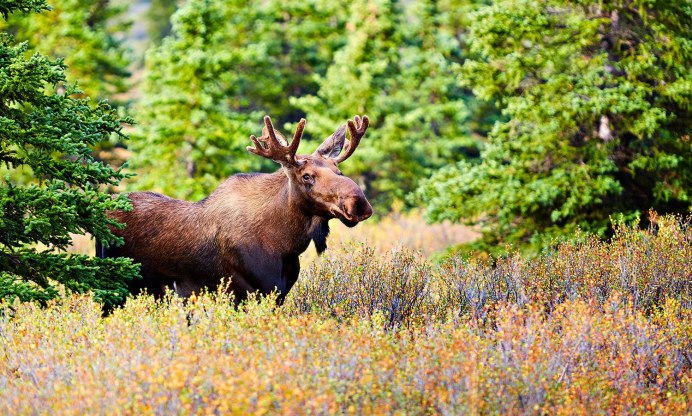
(277,150)
(356,129)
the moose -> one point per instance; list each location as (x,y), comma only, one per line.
(252,228)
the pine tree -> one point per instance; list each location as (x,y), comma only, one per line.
(45,135)
(597,99)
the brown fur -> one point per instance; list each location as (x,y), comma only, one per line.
(251,229)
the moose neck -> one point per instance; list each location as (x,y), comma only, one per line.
(270,209)
(295,209)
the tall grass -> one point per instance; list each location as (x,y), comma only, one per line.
(588,327)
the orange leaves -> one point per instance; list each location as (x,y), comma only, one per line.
(580,330)
(579,358)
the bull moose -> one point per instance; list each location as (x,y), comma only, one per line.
(253,227)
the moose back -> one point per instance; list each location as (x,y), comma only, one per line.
(253,227)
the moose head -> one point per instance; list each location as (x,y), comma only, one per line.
(316,178)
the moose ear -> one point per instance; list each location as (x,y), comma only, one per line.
(332,145)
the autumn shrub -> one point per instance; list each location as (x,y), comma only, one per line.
(648,266)
(588,327)
(207,356)
(357,282)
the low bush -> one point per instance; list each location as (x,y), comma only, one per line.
(647,266)
(206,356)
(357,282)
(587,327)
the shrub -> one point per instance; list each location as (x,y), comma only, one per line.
(357,282)
(587,327)
(646,265)
(206,356)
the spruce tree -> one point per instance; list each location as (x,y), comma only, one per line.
(596,98)
(50,183)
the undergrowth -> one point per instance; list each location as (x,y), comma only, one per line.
(586,327)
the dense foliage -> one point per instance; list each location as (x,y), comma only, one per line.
(228,63)
(397,66)
(366,335)
(225,65)
(50,181)
(597,100)
(88,35)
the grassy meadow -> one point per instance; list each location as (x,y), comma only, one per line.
(587,327)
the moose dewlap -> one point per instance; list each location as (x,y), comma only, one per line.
(253,227)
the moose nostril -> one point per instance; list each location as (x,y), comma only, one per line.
(358,207)
(367,210)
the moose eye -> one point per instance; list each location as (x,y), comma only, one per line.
(307,177)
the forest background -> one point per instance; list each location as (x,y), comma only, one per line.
(528,120)
(551,128)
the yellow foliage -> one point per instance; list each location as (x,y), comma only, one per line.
(207,357)
(589,327)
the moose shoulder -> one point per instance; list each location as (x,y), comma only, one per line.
(253,227)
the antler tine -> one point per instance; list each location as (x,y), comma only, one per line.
(258,149)
(272,133)
(275,149)
(356,130)
(297,136)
